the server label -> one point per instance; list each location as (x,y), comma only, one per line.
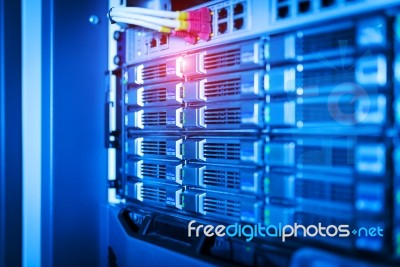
(170,200)
(170,151)
(170,70)
(170,176)
(247,87)
(247,57)
(248,153)
(171,120)
(170,95)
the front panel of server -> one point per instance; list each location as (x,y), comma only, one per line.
(286,120)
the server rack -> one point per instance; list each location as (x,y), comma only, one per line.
(289,114)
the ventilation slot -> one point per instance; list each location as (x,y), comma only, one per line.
(149,170)
(221,60)
(226,179)
(325,156)
(324,191)
(322,42)
(326,77)
(222,116)
(336,112)
(154,118)
(154,72)
(155,194)
(156,95)
(222,88)
(222,151)
(154,147)
(222,207)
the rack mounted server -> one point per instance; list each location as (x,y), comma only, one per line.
(288,115)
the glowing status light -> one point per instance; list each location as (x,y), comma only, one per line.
(398,27)
(398,244)
(266,82)
(398,197)
(300,34)
(266,216)
(299,91)
(267,212)
(266,51)
(183,150)
(266,185)
(267,116)
(125,78)
(300,68)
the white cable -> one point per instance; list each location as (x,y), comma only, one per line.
(139,23)
(146,11)
(159,21)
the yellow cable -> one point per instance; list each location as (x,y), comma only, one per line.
(182,15)
(165,29)
(183,26)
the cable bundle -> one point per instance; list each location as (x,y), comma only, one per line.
(189,25)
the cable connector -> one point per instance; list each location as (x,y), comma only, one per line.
(202,29)
(203,14)
(188,37)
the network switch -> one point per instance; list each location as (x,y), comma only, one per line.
(289,10)
(229,18)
